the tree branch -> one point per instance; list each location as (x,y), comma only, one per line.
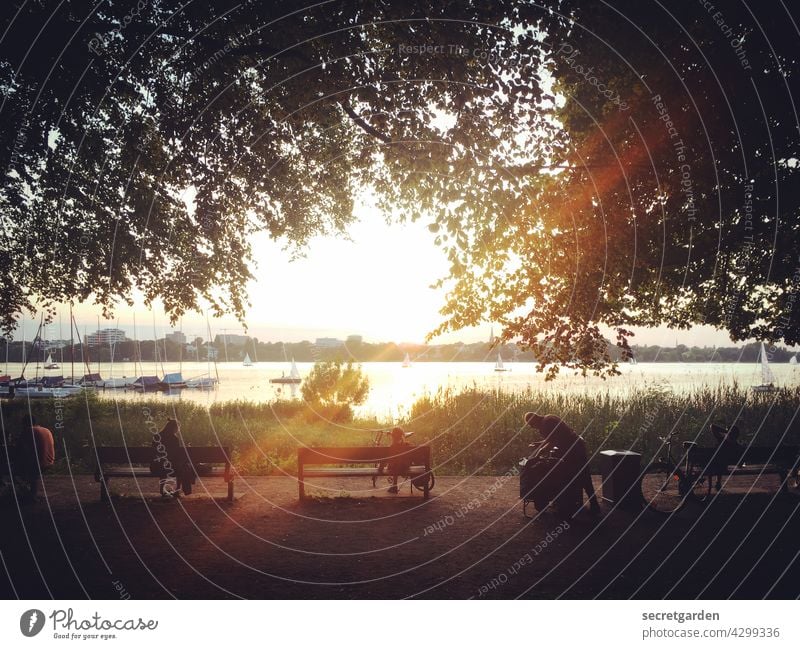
(362,123)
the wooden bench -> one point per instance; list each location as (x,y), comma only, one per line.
(334,461)
(753,460)
(126,461)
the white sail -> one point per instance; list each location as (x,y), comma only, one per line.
(294,373)
(767,377)
(499,364)
(407,360)
(247,362)
(793,360)
(49,360)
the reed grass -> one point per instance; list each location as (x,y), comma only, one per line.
(479,430)
(472,430)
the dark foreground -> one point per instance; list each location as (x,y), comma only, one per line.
(470,540)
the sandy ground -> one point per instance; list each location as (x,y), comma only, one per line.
(470,540)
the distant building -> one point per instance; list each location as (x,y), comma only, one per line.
(105,337)
(177,337)
(55,344)
(329,343)
(355,339)
(211,353)
(235,340)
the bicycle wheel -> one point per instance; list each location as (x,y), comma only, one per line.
(698,487)
(663,489)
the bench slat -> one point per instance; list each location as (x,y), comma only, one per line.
(137,472)
(334,472)
(123,459)
(146,454)
(417,457)
(360,454)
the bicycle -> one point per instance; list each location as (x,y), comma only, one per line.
(667,484)
(420,482)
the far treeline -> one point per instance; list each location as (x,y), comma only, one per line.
(148,351)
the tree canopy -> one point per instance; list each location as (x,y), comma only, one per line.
(586,167)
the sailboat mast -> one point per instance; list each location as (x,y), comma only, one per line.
(155,346)
(208,348)
(61,340)
(180,351)
(71,345)
(80,344)
(33,347)
(136,351)
(86,358)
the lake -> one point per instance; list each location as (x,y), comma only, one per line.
(394,388)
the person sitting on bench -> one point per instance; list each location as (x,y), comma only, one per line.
(396,466)
(171,460)
(562,441)
(728,451)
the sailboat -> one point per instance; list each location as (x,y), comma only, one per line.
(45,387)
(407,360)
(793,360)
(121,383)
(49,364)
(294,376)
(767,377)
(498,366)
(247,362)
(147,383)
(172,381)
(204,381)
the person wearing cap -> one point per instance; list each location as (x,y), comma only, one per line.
(570,447)
(397,466)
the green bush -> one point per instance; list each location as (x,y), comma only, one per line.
(332,388)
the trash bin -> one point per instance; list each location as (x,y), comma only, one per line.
(621,472)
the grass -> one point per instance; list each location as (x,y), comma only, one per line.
(473,430)
(479,430)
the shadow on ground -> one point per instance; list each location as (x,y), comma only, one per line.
(467,541)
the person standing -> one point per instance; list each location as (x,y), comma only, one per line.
(563,442)
(38,454)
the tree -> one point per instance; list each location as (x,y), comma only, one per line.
(527,134)
(678,202)
(259,115)
(336,386)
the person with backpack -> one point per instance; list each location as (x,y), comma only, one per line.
(571,476)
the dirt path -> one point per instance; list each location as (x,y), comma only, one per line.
(469,540)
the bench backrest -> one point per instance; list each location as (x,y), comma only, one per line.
(784,455)
(146,454)
(419,455)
